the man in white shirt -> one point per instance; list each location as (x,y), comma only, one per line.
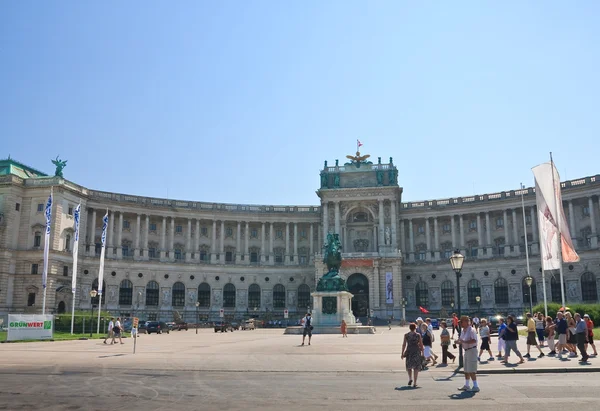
(307,325)
(111,325)
(468,340)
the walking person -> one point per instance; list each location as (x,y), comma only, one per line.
(550,332)
(501,333)
(111,325)
(427,338)
(540,327)
(561,329)
(590,327)
(454,324)
(468,341)
(531,337)
(484,333)
(581,332)
(445,342)
(308,327)
(344,328)
(117,331)
(511,336)
(571,335)
(412,349)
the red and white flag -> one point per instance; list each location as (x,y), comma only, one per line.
(551,218)
(358,143)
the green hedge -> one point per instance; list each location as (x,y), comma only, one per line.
(62,322)
(593,310)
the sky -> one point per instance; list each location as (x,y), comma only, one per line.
(242,101)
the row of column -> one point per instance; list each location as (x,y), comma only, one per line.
(166,243)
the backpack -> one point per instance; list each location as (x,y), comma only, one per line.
(308,323)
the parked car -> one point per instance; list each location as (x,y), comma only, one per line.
(249,325)
(157,327)
(235,326)
(142,327)
(223,327)
(180,326)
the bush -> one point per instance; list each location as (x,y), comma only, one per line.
(593,310)
(62,322)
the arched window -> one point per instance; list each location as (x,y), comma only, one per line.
(125,292)
(254,296)
(279,296)
(525,289)
(229,295)
(61,307)
(589,290)
(447,293)
(422,294)
(96,299)
(501,291)
(303,296)
(555,289)
(473,291)
(204,295)
(178,299)
(152,293)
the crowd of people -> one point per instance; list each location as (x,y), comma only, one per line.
(564,335)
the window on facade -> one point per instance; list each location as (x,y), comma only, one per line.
(499,222)
(254,296)
(178,299)
(303,259)
(229,232)
(17,206)
(278,234)
(204,295)
(228,256)
(229,295)
(528,219)
(34,268)
(126,224)
(40,208)
(152,293)
(303,296)
(555,289)
(152,252)
(501,291)
(446,228)
(279,296)
(68,243)
(303,233)
(473,291)
(125,292)
(473,248)
(421,229)
(422,294)
(178,254)
(254,233)
(30,299)
(204,231)
(70,210)
(586,211)
(203,255)
(125,250)
(65,270)
(473,225)
(153,227)
(37,239)
(254,257)
(278,256)
(499,242)
(589,291)
(447,293)
(525,290)
(178,229)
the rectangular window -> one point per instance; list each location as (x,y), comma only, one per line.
(203,255)
(254,233)
(152,226)
(152,316)
(229,232)
(204,231)
(303,259)
(17,206)
(34,268)
(30,299)
(279,234)
(152,252)
(254,257)
(70,210)
(126,224)
(125,250)
(40,208)
(499,222)
(474,252)
(178,255)
(228,256)
(528,219)
(302,233)
(179,229)
(586,211)
(421,256)
(279,258)
(473,225)
(37,240)
(446,228)
(421,229)
(65,270)
(447,254)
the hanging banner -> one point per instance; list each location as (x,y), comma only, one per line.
(389,288)
(29,327)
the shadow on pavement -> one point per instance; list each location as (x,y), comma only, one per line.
(462,396)
(407,388)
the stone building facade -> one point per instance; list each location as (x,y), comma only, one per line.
(164,255)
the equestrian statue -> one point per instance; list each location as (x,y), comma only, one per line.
(332,257)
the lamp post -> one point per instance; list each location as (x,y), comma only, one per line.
(529,281)
(456,261)
(478,299)
(93,294)
(403,311)
(197,315)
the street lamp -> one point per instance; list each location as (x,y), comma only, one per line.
(529,282)
(456,261)
(197,315)
(93,294)
(478,299)
(404,311)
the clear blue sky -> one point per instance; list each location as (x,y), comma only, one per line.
(242,101)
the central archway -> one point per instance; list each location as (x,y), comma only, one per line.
(358,285)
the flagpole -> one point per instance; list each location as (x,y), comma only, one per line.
(101,270)
(559,236)
(527,244)
(48,215)
(75,257)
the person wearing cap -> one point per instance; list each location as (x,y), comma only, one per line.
(581,333)
(468,340)
(590,327)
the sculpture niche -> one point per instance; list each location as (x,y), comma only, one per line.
(332,257)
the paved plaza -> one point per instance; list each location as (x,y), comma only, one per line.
(267,370)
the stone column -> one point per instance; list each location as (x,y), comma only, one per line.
(271,252)
(337,217)
(506,234)
(479,236)
(535,246)
(394,221)
(515,223)
(222,242)
(145,243)
(594,240)
(428,239)
(381,225)
(403,237)
(120,236)
(572,224)
(163,237)
(188,241)
(461,224)
(92,238)
(197,241)
(172,240)
(136,251)
(287,243)
(247,244)
(213,245)
(110,232)
(311,243)
(453,232)
(436,239)
(263,233)
(411,241)
(238,243)
(376,286)
(488,235)
(325,211)
(296,243)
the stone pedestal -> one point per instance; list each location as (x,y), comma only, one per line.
(331,307)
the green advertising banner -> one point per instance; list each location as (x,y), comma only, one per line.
(29,327)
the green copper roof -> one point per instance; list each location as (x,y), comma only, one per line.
(10,166)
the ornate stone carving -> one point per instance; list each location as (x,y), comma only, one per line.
(573,290)
(487,293)
(268,297)
(435,295)
(241,298)
(192,296)
(217,297)
(514,292)
(166,296)
(112,293)
(329,305)
(291,298)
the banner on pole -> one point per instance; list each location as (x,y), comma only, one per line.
(29,327)
(389,288)
(48,214)
(102,251)
(76,217)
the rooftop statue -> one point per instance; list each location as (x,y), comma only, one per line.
(59,166)
(357,160)
(332,257)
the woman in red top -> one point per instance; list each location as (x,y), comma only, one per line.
(454,324)
(590,327)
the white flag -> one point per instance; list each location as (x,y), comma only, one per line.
(48,213)
(77,216)
(101,270)
(551,218)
